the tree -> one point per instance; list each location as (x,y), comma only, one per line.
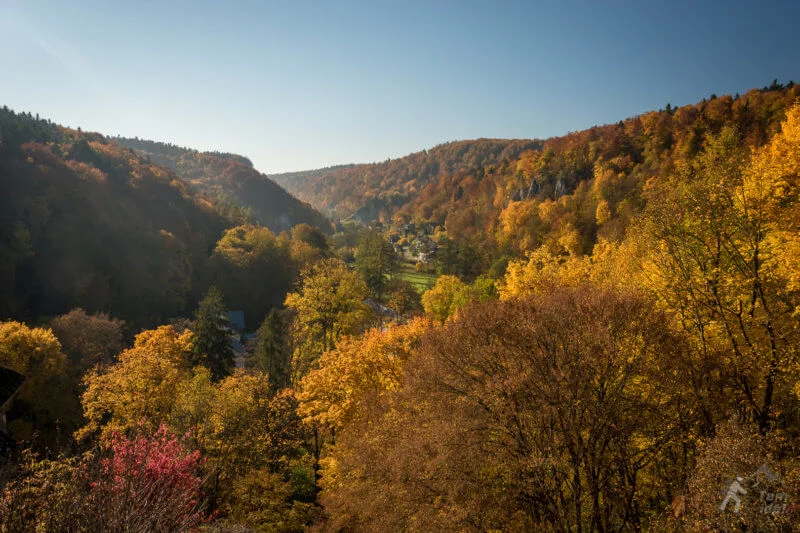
(449,294)
(328,305)
(88,340)
(241,426)
(211,346)
(254,269)
(335,393)
(141,388)
(715,262)
(457,258)
(736,452)
(238,424)
(375,262)
(140,483)
(520,226)
(403,298)
(775,170)
(45,403)
(263,501)
(272,355)
(311,236)
(443,299)
(554,411)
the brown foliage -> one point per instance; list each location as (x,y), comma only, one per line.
(549,419)
(88,340)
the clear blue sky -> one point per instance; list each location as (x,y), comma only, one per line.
(297,85)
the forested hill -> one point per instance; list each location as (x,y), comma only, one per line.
(377,190)
(86,223)
(232,181)
(501,199)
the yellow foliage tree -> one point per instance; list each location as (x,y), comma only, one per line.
(237,424)
(357,368)
(603,212)
(520,226)
(329,305)
(610,265)
(141,388)
(43,403)
(449,294)
(773,177)
(719,261)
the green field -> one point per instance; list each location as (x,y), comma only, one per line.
(421,281)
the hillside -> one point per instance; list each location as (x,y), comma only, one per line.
(85,223)
(232,181)
(502,199)
(375,191)
(610,313)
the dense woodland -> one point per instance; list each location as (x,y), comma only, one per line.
(502,199)
(374,192)
(241,193)
(609,339)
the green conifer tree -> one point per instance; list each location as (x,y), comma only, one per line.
(376,261)
(212,342)
(271,355)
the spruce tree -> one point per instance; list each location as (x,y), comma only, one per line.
(271,355)
(375,262)
(212,342)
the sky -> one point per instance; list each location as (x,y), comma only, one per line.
(297,85)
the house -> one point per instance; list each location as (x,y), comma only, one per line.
(236,320)
(10,383)
(237,325)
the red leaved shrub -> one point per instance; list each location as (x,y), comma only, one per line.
(133,484)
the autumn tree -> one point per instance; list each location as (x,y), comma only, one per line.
(774,172)
(520,226)
(738,453)
(328,305)
(552,419)
(238,424)
(141,388)
(88,340)
(212,344)
(449,294)
(312,236)
(144,483)
(336,392)
(402,297)
(715,262)
(45,404)
(254,269)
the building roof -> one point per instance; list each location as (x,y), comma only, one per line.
(236,318)
(10,382)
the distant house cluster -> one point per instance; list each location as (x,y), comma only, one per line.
(414,244)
